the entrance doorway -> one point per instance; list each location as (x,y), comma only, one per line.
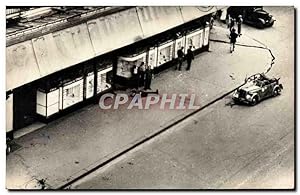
(24,106)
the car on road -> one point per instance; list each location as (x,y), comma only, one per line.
(253,16)
(257,88)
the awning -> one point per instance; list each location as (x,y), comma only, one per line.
(157,19)
(133,58)
(62,49)
(55,51)
(115,31)
(193,12)
(21,65)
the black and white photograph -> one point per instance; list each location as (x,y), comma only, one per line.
(144,97)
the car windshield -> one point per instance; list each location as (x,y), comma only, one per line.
(262,14)
(258,83)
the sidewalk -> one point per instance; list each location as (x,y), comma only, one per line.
(74,144)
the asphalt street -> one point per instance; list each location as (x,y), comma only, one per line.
(222,146)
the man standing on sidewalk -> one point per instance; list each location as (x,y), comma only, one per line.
(239,25)
(148,79)
(180,56)
(135,76)
(189,58)
(233,36)
(141,71)
(231,24)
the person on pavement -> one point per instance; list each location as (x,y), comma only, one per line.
(180,55)
(189,58)
(239,25)
(231,24)
(141,71)
(211,22)
(233,36)
(135,76)
(148,74)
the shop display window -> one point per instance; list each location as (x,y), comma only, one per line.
(165,53)
(71,93)
(152,58)
(125,64)
(180,42)
(47,103)
(206,36)
(89,85)
(195,40)
(104,79)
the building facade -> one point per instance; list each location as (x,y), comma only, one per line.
(63,58)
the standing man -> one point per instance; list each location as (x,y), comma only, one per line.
(180,56)
(148,74)
(135,76)
(189,58)
(233,36)
(239,25)
(231,24)
(228,20)
(142,74)
(211,22)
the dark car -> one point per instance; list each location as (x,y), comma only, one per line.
(257,88)
(253,15)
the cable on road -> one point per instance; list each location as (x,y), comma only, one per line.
(253,46)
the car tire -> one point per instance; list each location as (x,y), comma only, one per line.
(261,26)
(8,149)
(254,101)
(276,92)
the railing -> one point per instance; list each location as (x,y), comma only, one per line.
(56,22)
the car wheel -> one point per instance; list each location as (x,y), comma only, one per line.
(276,92)
(8,149)
(261,26)
(254,101)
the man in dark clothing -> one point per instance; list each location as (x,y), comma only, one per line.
(233,36)
(135,76)
(189,58)
(231,24)
(148,74)
(141,71)
(180,56)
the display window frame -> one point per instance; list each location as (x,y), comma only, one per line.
(200,32)
(47,102)
(153,51)
(134,58)
(101,72)
(206,36)
(162,46)
(80,81)
(183,41)
(89,85)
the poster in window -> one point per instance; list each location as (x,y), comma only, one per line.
(165,53)
(89,86)
(102,80)
(206,36)
(152,58)
(72,94)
